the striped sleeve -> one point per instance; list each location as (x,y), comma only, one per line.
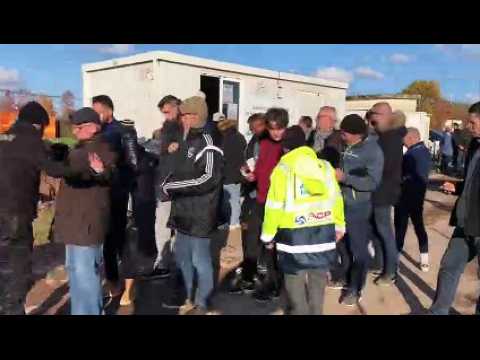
(208,176)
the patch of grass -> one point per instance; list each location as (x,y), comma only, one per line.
(70,142)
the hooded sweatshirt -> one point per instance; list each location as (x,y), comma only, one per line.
(269,156)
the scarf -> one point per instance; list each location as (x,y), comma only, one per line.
(319,142)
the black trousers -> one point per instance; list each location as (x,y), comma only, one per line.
(411,206)
(16,241)
(144,216)
(251,243)
(115,240)
(344,261)
(257,259)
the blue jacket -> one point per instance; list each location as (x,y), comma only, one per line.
(417,163)
(446,144)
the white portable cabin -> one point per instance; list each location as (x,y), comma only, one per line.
(137,83)
(407,103)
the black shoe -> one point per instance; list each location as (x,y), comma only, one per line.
(350,299)
(262,295)
(236,284)
(264,291)
(375,272)
(158,273)
(385,281)
(276,293)
(337,285)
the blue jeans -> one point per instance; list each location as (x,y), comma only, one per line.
(461,250)
(83,266)
(445,164)
(231,203)
(356,218)
(192,254)
(381,233)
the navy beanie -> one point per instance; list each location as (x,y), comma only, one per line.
(354,124)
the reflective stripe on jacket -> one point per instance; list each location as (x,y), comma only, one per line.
(304,198)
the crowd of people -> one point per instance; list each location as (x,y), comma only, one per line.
(313,206)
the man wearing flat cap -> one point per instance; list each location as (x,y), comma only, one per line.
(83,212)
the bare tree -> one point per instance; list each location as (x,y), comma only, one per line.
(7,102)
(47,103)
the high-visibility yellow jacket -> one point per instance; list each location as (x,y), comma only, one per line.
(304,208)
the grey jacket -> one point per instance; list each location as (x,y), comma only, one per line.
(362,164)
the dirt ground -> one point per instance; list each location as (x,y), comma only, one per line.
(413,293)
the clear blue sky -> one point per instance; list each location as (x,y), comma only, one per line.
(371,69)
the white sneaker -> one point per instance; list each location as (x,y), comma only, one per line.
(424,264)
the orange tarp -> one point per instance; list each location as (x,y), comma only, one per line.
(8,118)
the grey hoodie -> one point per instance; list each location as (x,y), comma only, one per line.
(362,164)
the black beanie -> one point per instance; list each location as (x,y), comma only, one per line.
(34,113)
(293,138)
(354,124)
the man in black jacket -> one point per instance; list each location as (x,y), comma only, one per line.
(257,125)
(167,139)
(390,139)
(195,188)
(233,146)
(464,245)
(112,132)
(22,156)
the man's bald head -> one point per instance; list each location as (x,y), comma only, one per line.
(412,137)
(380,116)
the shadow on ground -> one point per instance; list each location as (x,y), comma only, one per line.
(416,307)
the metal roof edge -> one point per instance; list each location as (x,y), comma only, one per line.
(383,96)
(213,64)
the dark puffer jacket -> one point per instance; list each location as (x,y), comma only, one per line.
(196,186)
(23,155)
(391,143)
(233,146)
